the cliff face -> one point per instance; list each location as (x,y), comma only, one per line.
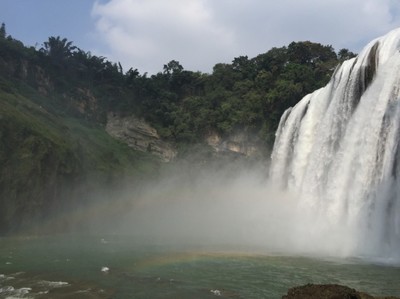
(38,163)
(21,69)
(139,135)
(238,143)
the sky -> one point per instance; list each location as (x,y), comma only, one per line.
(147,34)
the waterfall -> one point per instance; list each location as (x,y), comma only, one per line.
(338,149)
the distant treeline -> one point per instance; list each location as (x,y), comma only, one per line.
(249,93)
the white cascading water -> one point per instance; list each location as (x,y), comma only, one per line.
(338,148)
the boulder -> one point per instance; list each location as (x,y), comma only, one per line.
(327,291)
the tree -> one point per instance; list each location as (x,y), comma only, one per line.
(345,54)
(244,66)
(273,61)
(58,49)
(173,67)
(310,53)
(3,31)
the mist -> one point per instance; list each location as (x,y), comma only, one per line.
(223,205)
(228,208)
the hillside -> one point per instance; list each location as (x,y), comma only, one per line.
(56,102)
(52,158)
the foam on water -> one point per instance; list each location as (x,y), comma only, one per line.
(10,286)
(53,284)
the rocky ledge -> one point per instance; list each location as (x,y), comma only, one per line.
(239,143)
(328,291)
(139,135)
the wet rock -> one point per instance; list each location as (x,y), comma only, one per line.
(328,291)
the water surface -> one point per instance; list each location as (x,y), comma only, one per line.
(70,266)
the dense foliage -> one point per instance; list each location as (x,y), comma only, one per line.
(183,105)
(248,94)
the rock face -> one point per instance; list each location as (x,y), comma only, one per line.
(328,291)
(239,143)
(139,135)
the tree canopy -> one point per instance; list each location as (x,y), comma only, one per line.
(249,93)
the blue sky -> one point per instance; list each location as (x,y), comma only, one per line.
(146,34)
(33,21)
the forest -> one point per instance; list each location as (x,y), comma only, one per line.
(183,105)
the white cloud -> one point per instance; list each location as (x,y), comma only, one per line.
(146,34)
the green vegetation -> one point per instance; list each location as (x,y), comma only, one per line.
(49,163)
(248,94)
(54,152)
(182,105)
(54,102)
